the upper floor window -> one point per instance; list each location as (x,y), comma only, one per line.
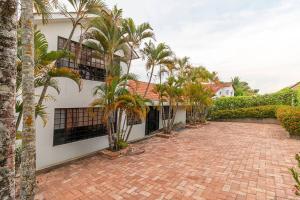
(74,124)
(90,67)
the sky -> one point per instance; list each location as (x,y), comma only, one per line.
(257,40)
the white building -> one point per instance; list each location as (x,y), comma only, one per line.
(222,89)
(70,132)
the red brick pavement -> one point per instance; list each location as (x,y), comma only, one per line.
(221,160)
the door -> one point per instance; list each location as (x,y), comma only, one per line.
(152,120)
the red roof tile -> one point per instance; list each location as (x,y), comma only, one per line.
(217,86)
(139,87)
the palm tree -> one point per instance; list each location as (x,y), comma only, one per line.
(111,93)
(44,69)
(155,56)
(135,35)
(135,106)
(197,96)
(8,45)
(28,164)
(170,92)
(107,37)
(242,88)
(183,65)
(81,8)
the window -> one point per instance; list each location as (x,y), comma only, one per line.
(74,124)
(166,113)
(133,119)
(90,67)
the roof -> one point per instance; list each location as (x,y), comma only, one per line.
(139,87)
(215,87)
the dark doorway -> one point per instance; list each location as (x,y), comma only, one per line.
(152,120)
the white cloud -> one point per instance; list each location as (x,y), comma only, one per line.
(258,40)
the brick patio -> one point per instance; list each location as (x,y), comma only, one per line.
(221,160)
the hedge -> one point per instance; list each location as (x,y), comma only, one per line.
(258,112)
(283,97)
(289,118)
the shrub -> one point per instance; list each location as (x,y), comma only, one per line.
(283,97)
(258,112)
(289,118)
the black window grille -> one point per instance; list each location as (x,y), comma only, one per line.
(166,113)
(74,124)
(133,119)
(90,67)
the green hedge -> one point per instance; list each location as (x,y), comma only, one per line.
(289,118)
(258,112)
(283,97)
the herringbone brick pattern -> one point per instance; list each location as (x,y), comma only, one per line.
(217,161)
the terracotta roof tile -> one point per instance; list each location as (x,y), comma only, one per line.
(217,86)
(139,87)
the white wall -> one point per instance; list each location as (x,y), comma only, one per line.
(180,117)
(70,97)
(225,92)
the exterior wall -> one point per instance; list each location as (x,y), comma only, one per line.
(70,97)
(180,117)
(225,92)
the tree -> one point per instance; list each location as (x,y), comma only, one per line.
(107,37)
(155,56)
(135,35)
(170,92)
(8,45)
(296,175)
(113,96)
(197,96)
(28,163)
(44,69)
(82,9)
(242,88)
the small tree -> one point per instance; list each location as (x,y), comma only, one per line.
(171,95)
(296,175)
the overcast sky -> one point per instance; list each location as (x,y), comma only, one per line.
(257,40)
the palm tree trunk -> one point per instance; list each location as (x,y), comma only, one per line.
(147,88)
(28,164)
(128,133)
(129,65)
(8,46)
(44,91)
(66,45)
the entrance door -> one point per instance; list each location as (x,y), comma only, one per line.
(152,120)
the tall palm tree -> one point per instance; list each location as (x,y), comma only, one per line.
(135,35)
(28,163)
(183,65)
(81,8)
(107,37)
(8,45)
(155,56)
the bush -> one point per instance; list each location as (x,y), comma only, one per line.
(258,112)
(289,118)
(283,97)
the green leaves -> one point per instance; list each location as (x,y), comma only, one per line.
(284,97)
(295,175)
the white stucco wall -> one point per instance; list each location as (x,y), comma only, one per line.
(70,97)
(225,92)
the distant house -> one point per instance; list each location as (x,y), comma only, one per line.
(221,89)
(295,86)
